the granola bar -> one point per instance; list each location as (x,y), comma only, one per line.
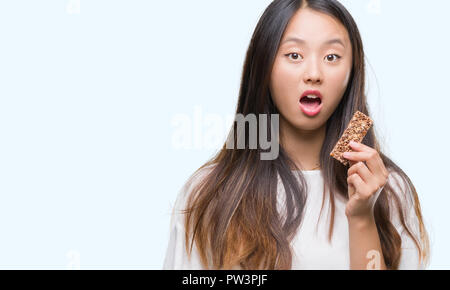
(356,131)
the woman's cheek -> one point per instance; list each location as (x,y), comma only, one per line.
(285,82)
(338,80)
(336,83)
(346,78)
(292,81)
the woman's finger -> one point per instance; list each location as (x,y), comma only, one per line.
(358,183)
(378,168)
(367,154)
(361,169)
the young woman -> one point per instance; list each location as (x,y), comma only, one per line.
(302,210)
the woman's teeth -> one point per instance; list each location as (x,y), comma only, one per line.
(311,99)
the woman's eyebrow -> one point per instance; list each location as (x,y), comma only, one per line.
(301,41)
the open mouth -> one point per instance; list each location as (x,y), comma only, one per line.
(311,102)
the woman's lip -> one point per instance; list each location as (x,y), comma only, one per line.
(312,92)
(311,112)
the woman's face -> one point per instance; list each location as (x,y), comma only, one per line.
(315,53)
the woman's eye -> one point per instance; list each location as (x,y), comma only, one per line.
(294,56)
(332,57)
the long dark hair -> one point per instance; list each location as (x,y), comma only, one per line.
(232,214)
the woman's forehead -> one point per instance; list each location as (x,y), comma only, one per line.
(315,27)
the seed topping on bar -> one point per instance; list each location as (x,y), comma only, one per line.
(356,131)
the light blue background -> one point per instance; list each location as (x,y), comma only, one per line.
(90,99)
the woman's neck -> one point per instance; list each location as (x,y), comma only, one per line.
(302,146)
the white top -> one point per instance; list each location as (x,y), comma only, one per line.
(311,248)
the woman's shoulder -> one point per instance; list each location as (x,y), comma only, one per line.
(195,179)
(187,190)
(401,186)
(402,200)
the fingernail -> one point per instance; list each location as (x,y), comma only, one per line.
(353,143)
(346,154)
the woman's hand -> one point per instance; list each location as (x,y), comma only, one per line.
(365,182)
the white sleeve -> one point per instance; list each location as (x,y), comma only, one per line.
(176,257)
(409,259)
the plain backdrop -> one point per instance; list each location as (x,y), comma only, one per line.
(107,107)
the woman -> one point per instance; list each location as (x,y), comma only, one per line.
(305,63)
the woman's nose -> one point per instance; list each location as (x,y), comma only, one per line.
(312,74)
